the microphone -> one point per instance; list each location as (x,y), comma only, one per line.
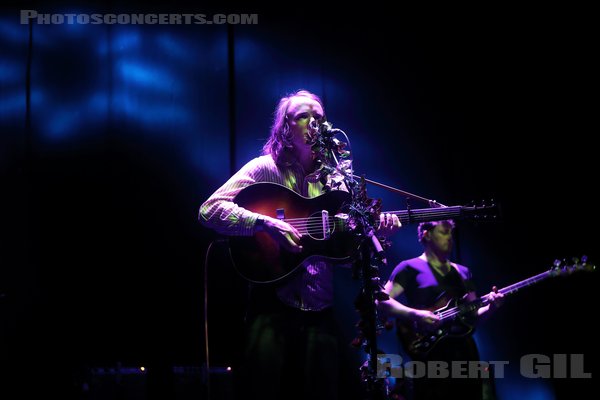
(327,130)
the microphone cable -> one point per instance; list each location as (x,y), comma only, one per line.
(206,346)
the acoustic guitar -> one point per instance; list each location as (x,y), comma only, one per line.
(321,220)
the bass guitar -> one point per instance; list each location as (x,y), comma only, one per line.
(457,317)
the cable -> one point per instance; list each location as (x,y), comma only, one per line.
(206,351)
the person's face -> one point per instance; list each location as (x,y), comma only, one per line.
(303,115)
(440,238)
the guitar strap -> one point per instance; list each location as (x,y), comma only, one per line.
(452,283)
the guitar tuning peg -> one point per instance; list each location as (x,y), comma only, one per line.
(575,260)
(585,266)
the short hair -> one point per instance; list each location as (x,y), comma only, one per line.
(280,139)
(428,226)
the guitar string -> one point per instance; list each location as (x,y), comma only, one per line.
(316,223)
(312,223)
(456,310)
(318,220)
(441,213)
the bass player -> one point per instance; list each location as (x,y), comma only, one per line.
(427,283)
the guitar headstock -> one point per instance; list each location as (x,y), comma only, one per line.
(564,267)
(483,211)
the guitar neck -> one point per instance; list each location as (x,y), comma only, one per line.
(484,300)
(453,312)
(428,214)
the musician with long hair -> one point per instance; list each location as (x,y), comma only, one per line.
(291,348)
(419,286)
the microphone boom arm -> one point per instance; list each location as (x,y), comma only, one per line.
(432,203)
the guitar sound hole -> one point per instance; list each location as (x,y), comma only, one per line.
(314,227)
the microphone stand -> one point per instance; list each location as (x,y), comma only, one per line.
(369,257)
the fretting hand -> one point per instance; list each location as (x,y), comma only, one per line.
(495,298)
(388,224)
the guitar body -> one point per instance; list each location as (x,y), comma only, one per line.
(418,341)
(261,259)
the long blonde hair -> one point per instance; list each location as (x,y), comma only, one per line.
(280,139)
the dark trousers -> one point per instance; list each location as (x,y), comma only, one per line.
(448,350)
(290,354)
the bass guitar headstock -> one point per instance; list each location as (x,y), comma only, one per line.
(564,267)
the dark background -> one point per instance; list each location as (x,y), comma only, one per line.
(113,135)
